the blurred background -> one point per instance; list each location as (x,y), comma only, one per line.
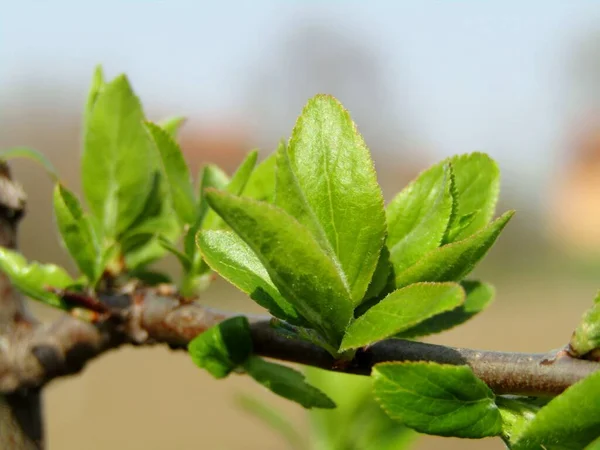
(423,80)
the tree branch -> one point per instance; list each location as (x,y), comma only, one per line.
(149,316)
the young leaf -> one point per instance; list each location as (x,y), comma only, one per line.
(418,217)
(326,179)
(478,296)
(287,383)
(400,310)
(437,399)
(222,348)
(587,335)
(231,258)
(381,276)
(34,155)
(477,183)
(34,279)
(517,413)
(183,259)
(568,422)
(235,186)
(177,174)
(261,185)
(274,419)
(97,84)
(452,262)
(77,233)
(295,262)
(118,158)
(172,125)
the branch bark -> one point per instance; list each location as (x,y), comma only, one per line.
(149,316)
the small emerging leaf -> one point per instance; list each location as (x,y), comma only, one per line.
(172,125)
(454,261)
(381,276)
(587,335)
(287,383)
(222,348)
(437,399)
(400,310)
(97,84)
(77,233)
(261,185)
(34,279)
(29,153)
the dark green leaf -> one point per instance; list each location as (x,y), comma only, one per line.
(231,258)
(477,183)
(274,419)
(418,217)
(118,158)
(452,262)
(261,185)
(587,335)
(77,233)
(437,399)
(479,296)
(222,348)
(172,125)
(295,262)
(326,179)
(287,383)
(177,174)
(401,310)
(24,152)
(34,279)
(568,422)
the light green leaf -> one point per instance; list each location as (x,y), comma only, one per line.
(97,84)
(261,185)
(118,158)
(568,422)
(77,233)
(231,258)
(437,399)
(29,153)
(295,262)
(222,348)
(381,276)
(183,259)
(478,297)
(452,262)
(177,174)
(418,217)
(172,125)
(477,183)
(587,334)
(517,413)
(235,186)
(326,180)
(34,279)
(287,383)
(275,419)
(401,310)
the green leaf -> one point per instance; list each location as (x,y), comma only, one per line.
(477,183)
(381,276)
(172,125)
(177,174)
(295,262)
(274,419)
(222,348)
(418,217)
(326,179)
(287,383)
(231,258)
(437,399)
(77,233)
(118,158)
(235,186)
(568,422)
(34,279)
(401,310)
(452,262)
(261,185)
(478,296)
(587,334)
(97,84)
(25,152)
(183,259)
(517,413)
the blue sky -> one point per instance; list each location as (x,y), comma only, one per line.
(473,75)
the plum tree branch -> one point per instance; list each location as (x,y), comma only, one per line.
(32,358)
